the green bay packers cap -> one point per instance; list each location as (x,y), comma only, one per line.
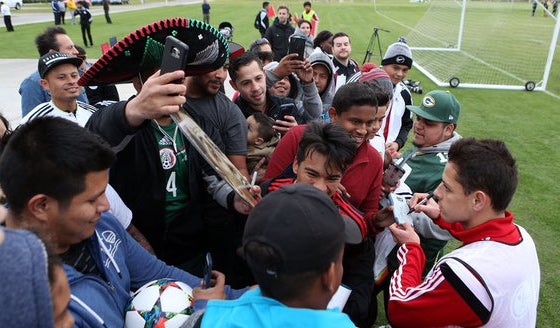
(438,106)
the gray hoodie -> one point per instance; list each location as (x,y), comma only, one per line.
(318,57)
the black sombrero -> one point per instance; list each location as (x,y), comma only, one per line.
(142,51)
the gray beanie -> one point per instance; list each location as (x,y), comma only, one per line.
(25,292)
(398,53)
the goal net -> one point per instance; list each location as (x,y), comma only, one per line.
(478,44)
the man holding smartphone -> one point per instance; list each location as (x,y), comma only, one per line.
(159,175)
(248,77)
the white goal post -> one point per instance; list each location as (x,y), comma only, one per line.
(487,44)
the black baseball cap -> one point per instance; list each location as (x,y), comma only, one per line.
(303,226)
(54,59)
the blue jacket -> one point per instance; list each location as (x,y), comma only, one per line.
(97,302)
(255,310)
(32,94)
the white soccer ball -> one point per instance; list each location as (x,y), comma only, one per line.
(162,303)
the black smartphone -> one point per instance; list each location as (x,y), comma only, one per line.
(208,271)
(392,175)
(285,109)
(297,46)
(174,56)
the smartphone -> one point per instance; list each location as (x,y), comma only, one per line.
(285,109)
(208,271)
(174,56)
(392,175)
(400,209)
(297,46)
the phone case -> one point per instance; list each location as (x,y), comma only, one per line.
(392,175)
(400,209)
(297,46)
(174,55)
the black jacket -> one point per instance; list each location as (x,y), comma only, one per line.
(278,35)
(138,177)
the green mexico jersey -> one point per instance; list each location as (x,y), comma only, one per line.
(173,157)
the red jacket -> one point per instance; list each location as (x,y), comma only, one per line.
(362,179)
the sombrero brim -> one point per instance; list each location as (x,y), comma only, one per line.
(141,51)
(236,50)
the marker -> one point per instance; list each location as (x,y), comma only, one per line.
(424,201)
(254,180)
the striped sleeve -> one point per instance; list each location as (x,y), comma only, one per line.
(432,302)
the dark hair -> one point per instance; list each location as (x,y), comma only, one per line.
(50,156)
(353,94)
(81,52)
(265,56)
(265,3)
(321,37)
(383,90)
(301,21)
(282,287)
(46,41)
(338,35)
(244,60)
(330,140)
(256,45)
(266,123)
(307,3)
(485,165)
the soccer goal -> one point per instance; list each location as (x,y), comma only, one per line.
(488,44)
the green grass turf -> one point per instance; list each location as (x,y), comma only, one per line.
(527,121)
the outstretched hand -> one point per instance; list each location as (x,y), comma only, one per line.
(159,96)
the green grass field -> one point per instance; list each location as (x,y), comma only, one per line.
(527,121)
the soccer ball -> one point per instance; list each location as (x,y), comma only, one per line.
(162,303)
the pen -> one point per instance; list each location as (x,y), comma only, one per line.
(254,180)
(423,201)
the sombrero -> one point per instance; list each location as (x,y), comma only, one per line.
(142,51)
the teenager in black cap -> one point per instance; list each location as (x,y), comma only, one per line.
(293,241)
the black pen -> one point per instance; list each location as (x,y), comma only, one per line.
(423,201)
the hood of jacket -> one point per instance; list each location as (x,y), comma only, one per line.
(318,57)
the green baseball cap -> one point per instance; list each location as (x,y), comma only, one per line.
(438,106)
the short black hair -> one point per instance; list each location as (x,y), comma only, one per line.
(265,3)
(244,60)
(46,41)
(321,37)
(353,94)
(256,45)
(330,140)
(307,3)
(50,156)
(486,165)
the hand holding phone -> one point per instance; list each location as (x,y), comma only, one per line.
(208,271)
(174,56)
